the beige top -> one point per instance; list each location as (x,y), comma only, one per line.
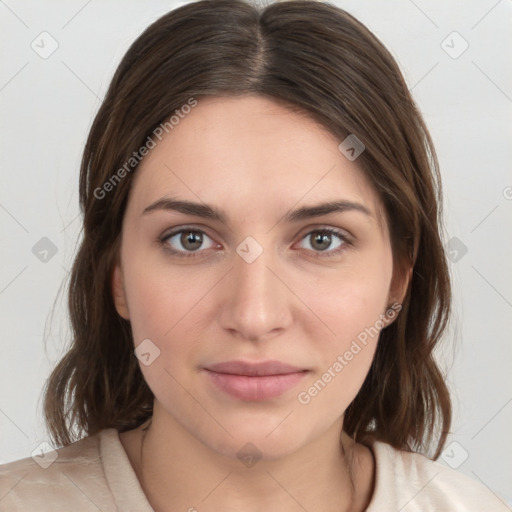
(95,474)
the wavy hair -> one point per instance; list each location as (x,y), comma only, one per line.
(317,59)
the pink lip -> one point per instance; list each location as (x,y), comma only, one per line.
(255,381)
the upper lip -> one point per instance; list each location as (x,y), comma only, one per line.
(254,369)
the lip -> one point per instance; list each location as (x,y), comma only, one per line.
(255,381)
(262,368)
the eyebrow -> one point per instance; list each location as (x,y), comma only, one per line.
(210,212)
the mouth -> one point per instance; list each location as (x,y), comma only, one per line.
(254,381)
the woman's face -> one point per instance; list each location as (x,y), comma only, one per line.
(225,258)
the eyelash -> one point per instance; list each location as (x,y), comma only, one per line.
(320,254)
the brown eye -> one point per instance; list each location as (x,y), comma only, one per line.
(185,241)
(321,241)
(328,241)
(191,240)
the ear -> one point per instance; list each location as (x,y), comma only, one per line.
(399,285)
(118,291)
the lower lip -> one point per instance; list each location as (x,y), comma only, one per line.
(257,388)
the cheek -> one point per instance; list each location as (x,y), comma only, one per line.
(349,300)
(161,299)
(168,307)
(351,307)
(345,354)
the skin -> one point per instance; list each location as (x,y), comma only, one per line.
(256,160)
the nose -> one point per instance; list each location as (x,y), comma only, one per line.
(257,303)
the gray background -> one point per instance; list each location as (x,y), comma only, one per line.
(48,103)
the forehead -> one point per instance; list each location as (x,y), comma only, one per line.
(249,155)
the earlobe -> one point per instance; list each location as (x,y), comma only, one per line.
(118,292)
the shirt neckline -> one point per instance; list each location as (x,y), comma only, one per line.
(121,478)
(129,496)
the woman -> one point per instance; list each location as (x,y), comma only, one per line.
(261,281)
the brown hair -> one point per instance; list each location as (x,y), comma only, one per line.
(317,59)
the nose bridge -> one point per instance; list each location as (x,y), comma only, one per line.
(257,303)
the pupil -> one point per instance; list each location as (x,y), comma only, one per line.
(191,240)
(323,240)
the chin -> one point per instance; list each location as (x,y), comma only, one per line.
(258,438)
(241,448)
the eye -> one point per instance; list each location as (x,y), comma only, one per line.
(327,240)
(191,242)
(186,242)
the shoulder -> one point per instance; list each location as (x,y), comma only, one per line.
(411,482)
(51,481)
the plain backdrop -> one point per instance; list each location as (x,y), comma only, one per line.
(56,63)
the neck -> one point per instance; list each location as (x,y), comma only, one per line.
(178,472)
